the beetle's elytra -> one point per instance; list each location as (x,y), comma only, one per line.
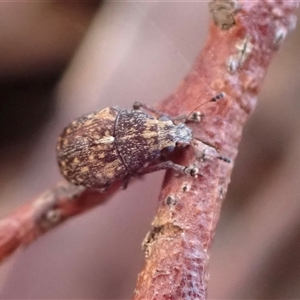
(111,144)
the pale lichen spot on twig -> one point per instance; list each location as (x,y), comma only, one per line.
(243,49)
(280,35)
(283,25)
(292,22)
(44,201)
(279,14)
(167,231)
(50,219)
(251,84)
(54,216)
(281,30)
(69,191)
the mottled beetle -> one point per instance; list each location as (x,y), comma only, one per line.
(111,144)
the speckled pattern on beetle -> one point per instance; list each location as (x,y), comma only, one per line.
(112,144)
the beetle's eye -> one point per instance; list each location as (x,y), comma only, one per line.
(170,148)
(164,118)
(181,144)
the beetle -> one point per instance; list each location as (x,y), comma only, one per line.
(112,144)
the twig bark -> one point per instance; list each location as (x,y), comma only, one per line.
(234,60)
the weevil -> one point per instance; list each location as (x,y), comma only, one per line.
(112,144)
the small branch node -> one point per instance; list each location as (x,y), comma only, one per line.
(223,12)
(186,187)
(171,200)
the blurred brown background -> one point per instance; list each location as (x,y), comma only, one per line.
(59,60)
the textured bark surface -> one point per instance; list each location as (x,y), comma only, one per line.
(233,61)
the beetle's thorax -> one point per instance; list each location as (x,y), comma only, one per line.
(171,134)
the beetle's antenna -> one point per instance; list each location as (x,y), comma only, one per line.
(195,115)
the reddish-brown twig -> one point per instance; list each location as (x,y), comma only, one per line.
(234,61)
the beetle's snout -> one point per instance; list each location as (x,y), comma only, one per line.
(183,134)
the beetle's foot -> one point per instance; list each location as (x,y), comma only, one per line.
(182,144)
(137,105)
(102,189)
(126,181)
(192,171)
(203,156)
(196,117)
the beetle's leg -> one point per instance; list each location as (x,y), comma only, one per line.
(102,189)
(169,165)
(126,181)
(212,152)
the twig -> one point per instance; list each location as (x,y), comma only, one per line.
(234,60)
(48,210)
